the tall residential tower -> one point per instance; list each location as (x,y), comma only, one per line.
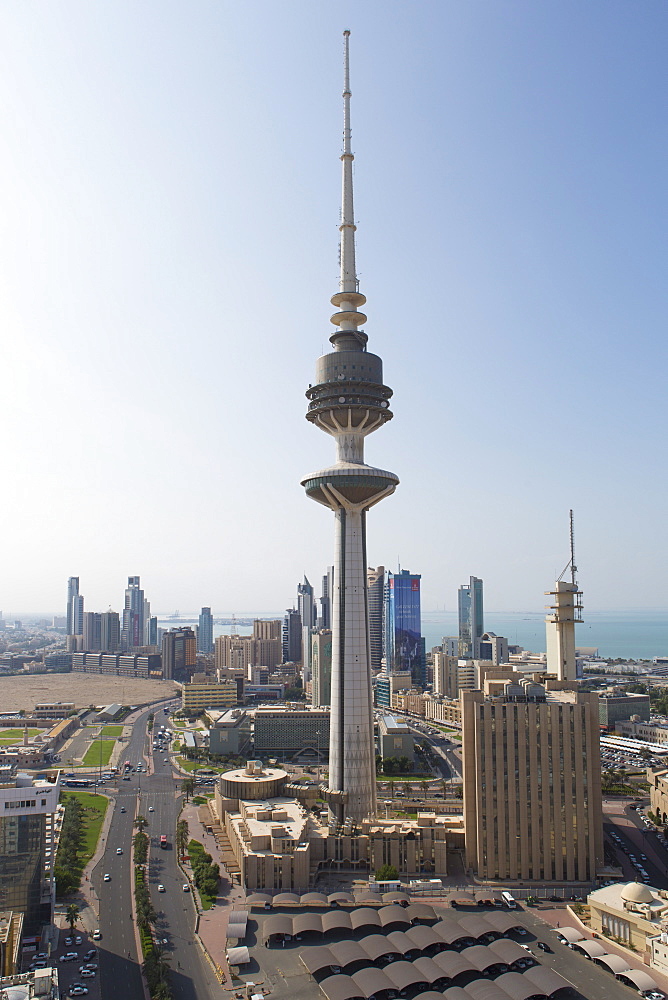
(349,400)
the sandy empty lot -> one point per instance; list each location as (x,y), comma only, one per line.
(83,689)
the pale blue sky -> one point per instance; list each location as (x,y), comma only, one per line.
(169,194)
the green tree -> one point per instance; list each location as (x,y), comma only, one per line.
(141,823)
(387,873)
(424,785)
(390,786)
(72,915)
(188,787)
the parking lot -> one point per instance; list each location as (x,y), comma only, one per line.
(280,969)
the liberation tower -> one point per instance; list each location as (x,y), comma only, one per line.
(349,401)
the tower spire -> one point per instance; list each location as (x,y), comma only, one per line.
(348,298)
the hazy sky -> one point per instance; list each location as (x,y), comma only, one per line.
(169,190)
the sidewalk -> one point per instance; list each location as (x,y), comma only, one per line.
(213,923)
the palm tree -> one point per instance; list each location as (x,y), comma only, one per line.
(424,785)
(72,915)
(182,836)
(408,789)
(188,787)
(141,823)
(390,786)
(444,787)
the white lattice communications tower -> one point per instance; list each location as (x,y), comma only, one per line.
(349,401)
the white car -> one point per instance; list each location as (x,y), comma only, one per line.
(107,877)
(185,887)
(161,888)
(97,935)
(151,809)
(119,850)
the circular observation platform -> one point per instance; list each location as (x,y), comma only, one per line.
(358,484)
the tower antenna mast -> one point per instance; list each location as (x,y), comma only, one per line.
(571,561)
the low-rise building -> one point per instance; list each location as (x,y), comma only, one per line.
(291,731)
(279,843)
(652,732)
(395,739)
(206,692)
(229,732)
(634,913)
(658,793)
(54,710)
(613,708)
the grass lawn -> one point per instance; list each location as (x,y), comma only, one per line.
(94,806)
(99,753)
(196,765)
(114,731)
(16,735)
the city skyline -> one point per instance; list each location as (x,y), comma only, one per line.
(526,197)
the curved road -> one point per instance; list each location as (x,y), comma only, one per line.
(191,977)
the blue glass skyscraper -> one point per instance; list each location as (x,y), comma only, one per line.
(404,646)
(471,620)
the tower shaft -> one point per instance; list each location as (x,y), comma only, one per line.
(349,401)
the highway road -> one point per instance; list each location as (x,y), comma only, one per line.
(191,977)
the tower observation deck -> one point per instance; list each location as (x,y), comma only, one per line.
(349,401)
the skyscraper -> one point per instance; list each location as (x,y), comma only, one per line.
(404,648)
(75,607)
(179,653)
(292,636)
(375,579)
(532,782)
(349,400)
(306,606)
(205,632)
(133,614)
(471,623)
(110,631)
(325,616)
(92,631)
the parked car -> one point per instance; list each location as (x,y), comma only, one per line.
(185,887)
(69,956)
(97,935)
(79,990)
(543,946)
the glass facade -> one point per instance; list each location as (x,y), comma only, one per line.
(22,840)
(404,648)
(471,619)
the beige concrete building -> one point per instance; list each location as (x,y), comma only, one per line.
(633,913)
(206,692)
(242,651)
(651,732)
(658,793)
(268,628)
(532,782)
(280,843)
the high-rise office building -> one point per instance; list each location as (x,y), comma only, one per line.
(471,619)
(133,614)
(205,632)
(321,661)
(75,607)
(292,636)
(268,628)
(151,630)
(349,400)
(110,631)
(179,653)
(27,820)
(532,782)
(325,615)
(92,631)
(404,647)
(375,579)
(306,606)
